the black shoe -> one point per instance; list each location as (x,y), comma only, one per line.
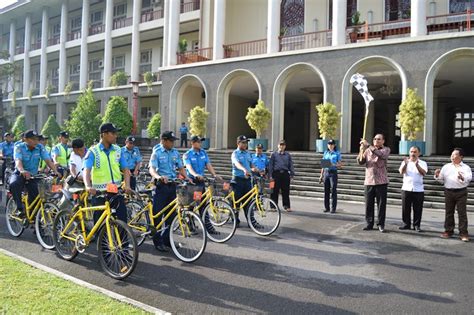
(417,228)
(405,227)
(381,229)
(214,232)
(162,248)
(327,210)
(368,228)
(333,211)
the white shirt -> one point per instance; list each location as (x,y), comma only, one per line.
(77,161)
(412,179)
(449,175)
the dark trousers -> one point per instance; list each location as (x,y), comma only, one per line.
(184,140)
(241,186)
(17,184)
(330,189)
(282,182)
(164,194)
(133,182)
(412,199)
(117,204)
(4,167)
(372,193)
(455,199)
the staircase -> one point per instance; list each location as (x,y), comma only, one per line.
(351,177)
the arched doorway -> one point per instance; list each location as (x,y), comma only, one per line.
(297,90)
(387,84)
(448,98)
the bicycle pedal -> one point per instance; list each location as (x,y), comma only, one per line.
(123,269)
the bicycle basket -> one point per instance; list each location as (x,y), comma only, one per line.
(220,189)
(44,187)
(187,193)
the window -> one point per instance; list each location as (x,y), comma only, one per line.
(74,71)
(464,125)
(397,10)
(96,18)
(195,45)
(145,61)
(120,10)
(95,73)
(458,6)
(36,76)
(350,10)
(292,17)
(56,31)
(118,63)
(76,23)
(146,5)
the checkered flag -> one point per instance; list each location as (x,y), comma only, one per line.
(360,83)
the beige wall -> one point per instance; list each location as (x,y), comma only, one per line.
(316,9)
(376,6)
(237,124)
(246,20)
(192,97)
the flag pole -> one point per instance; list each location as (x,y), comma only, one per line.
(367,108)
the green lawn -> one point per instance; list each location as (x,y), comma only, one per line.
(26,290)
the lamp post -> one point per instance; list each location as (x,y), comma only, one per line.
(135,88)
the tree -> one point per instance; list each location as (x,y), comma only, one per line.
(258,118)
(117,113)
(197,121)
(154,126)
(412,115)
(51,129)
(328,120)
(85,118)
(19,126)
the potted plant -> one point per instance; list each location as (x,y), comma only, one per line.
(154,129)
(30,95)
(356,23)
(198,124)
(68,89)
(328,123)
(118,78)
(258,118)
(412,121)
(149,77)
(182,47)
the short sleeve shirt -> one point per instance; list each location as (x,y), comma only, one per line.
(31,157)
(334,157)
(7,149)
(77,161)
(244,158)
(89,159)
(165,162)
(183,129)
(260,161)
(412,179)
(198,161)
(133,157)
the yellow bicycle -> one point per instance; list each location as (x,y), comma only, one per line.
(116,243)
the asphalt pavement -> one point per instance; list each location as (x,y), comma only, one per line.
(314,263)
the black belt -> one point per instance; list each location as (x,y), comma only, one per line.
(280,171)
(456,189)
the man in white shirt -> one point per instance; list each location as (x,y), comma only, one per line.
(413,169)
(76,159)
(456,177)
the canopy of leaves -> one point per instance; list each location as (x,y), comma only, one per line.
(197,121)
(154,126)
(85,118)
(51,129)
(19,126)
(258,118)
(412,115)
(117,113)
(328,120)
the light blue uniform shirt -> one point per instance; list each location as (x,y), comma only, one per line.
(7,149)
(133,157)
(89,159)
(334,157)
(183,129)
(260,161)
(198,161)
(55,151)
(245,159)
(31,158)
(165,162)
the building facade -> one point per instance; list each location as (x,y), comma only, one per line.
(292,54)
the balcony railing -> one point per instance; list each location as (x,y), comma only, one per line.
(456,22)
(96,29)
(74,35)
(305,41)
(190,6)
(123,22)
(19,50)
(255,47)
(152,15)
(53,41)
(377,31)
(36,45)
(197,55)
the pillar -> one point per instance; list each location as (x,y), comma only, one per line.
(418,18)
(273,27)
(109,10)
(135,66)
(339,13)
(26,61)
(84,63)
(62,79)
(219,29)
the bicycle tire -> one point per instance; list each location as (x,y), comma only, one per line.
(188,247)
(133,207)
(65,248)
(44,225)
(15,227)
(118,263)
(264,222)
(219,221)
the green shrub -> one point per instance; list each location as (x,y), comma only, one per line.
(118,78)
(328,120)
(19,126)
(51,129)
(197,121)
(154,126)
(117,113)
(258,118)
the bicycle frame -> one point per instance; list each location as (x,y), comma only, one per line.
(244,200)
(31,209)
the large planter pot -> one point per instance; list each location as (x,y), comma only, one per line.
(353,36)
(404,147)
(322,145)
(254,142)
(206,144)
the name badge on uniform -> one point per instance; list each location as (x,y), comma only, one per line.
(112,188)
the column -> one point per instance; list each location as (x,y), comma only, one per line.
(173,31)
(166,23)
(62,80)
(273,26)
(219,29)
(339,13)
(26,61)
(12,48)
(44,56)
(84,63)
(418,18)
(109,14)
(135,66)
(41,116)
(60,111)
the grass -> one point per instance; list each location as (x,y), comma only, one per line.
(27,290)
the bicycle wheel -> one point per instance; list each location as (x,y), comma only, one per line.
(44,225)
(14,219)
(141,221)
(220,222)
(119,258)
(265,218)
(65,247)
(187,236)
